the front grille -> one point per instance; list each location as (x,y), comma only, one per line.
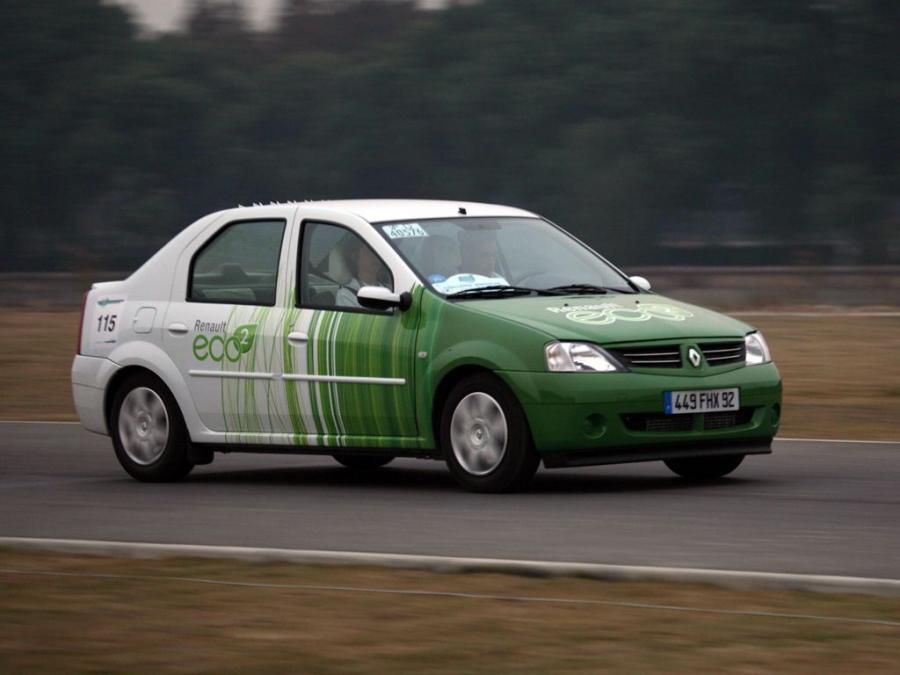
(658,422)
(664,356)
(726,419)
(711,421)
(722,353)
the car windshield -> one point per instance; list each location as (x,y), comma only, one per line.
(463,255)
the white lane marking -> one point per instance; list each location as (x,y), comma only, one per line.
(818,315)
(808,582)
(35,422)
(319,588)
(779,439)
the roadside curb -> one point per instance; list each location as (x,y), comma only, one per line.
(445,564)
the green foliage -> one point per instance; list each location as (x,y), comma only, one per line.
(632,122)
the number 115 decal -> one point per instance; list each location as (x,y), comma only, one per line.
(107,317)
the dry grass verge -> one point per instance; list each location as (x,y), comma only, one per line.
(153,622)
(842,375)
(35,361)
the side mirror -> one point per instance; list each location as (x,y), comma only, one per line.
(378,297)
(640,282)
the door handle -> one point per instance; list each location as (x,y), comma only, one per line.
(178,329)
(297,337)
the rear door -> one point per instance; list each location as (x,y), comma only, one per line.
(223,327)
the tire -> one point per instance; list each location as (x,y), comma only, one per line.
(363,462)
(704,468)
(485,438)
(148,432)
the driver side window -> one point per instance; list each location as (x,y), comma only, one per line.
(334,264)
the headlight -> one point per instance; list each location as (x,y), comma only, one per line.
(579,357)
(757,349)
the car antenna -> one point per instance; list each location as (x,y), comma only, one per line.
(462,210)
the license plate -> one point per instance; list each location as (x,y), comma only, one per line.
(709,400)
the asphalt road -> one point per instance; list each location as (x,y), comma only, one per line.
(818,508)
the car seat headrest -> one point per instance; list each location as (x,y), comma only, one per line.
(338,270)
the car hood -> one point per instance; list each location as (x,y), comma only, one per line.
(613,318)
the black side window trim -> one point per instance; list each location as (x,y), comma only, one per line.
(298,290)
(218,233)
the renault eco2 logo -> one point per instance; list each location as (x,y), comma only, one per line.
(694,357)
(228,347)
(608,312)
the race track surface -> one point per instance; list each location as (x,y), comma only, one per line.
(815,508)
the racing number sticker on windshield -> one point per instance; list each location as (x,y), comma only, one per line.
(104,326)
(404,230)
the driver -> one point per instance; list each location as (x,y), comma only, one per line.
(478,252)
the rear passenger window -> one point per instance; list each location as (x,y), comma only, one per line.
(238,266)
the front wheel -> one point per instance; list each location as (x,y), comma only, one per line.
(485,437)
(704,468)
(148,432)
(363,462)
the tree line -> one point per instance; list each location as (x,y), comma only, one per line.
(660,131)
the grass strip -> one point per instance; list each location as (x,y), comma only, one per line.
(84,613)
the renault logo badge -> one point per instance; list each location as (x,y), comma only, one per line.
(694,357)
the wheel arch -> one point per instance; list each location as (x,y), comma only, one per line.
(116,381)
(450,380)
(135,358)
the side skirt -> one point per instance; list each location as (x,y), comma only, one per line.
(320,450)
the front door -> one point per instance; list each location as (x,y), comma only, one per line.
(348,371)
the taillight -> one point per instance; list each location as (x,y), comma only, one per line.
(84,298)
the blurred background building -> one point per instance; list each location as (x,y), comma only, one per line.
(715,132)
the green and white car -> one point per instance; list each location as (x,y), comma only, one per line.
(478,334)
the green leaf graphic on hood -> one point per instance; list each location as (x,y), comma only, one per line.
(245,335)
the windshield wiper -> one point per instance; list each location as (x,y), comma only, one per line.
(580,289)
(501,289)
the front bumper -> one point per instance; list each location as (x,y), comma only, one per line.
(583,413)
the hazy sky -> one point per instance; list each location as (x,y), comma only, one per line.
(167,14)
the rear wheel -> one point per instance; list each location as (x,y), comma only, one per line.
(485,437)
(363,462)
(148,432)
(704,468)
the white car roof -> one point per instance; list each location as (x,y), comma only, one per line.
(378,210)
